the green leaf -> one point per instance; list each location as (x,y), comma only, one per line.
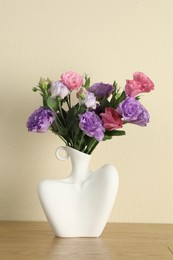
(34,89)
(64,113)
(106,137)
(52,103)
(73,124)
(137,98)
(115,85)
(59,129)
(82,109)
(115,133)
(87,82)
(113,102)
(120,99)
(70,117)
(62,130)
(104,103)
(118,95)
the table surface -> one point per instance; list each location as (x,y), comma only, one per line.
(35,240)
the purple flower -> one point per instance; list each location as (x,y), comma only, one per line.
(40,120)
(59,89)
(101,89)
(132,111)
(91,125)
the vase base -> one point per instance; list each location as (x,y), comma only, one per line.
(87,233)
(77,236)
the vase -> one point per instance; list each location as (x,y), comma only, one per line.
(80,204)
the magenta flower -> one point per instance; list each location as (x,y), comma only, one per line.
(111,119)
(140,83)
(91,125)
(40,120)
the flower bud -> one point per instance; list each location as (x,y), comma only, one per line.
(44,83)
(82,93)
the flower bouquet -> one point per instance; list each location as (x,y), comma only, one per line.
(99,114)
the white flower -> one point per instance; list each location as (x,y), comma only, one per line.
(90,100)
(58,89)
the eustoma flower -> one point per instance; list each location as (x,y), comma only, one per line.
(40,120)
(132,111)
(140,83)
(72,80)
(87,98)
(59,89)
(111,119)
(91,125)
(101,90)
(90,100)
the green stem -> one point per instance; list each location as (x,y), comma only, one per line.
(92,146)
(69,101)
(60,110)
(80,104)
(80,143)
(57,120)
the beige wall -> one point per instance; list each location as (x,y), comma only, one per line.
(108,39)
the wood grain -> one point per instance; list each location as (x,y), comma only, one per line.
(35,240)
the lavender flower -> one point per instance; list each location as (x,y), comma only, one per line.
(90,100)
(59,89)
(101,90)
(87,98)
(91,125)
(132,111)
(40,120)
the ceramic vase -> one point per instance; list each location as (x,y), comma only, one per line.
(80,204)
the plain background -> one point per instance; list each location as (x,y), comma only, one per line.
(107,39)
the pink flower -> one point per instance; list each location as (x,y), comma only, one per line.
(140,83)
(132,88)
(111,119)
(72,80)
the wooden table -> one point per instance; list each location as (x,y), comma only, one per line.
(35,240)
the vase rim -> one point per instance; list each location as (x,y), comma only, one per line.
(78,151)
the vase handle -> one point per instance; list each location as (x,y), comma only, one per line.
(57,153)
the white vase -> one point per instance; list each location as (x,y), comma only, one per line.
(79,205)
